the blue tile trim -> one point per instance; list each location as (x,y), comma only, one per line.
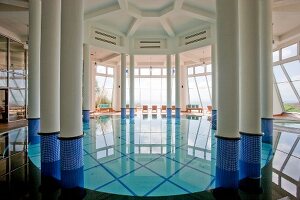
(71,162)
(86,116)
(250,156)
(86,126)
(33,130)
(131,113)
(267,129)
(214,120)
(227,163)
(50,155)
(169,112)
(177,113)
(123,113)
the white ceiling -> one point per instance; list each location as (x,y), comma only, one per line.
(163,18)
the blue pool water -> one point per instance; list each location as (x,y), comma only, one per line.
(149,156)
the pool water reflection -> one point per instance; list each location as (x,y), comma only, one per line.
(149,156)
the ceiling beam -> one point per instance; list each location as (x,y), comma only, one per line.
(283,3)
(167,27)
(199,13)
(109,57)
(21,4)
(102,12)
(295,32)
(178,4)
(123,4)
(134,26)
(134,11)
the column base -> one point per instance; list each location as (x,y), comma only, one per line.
(177,113)
(250,156)
(250,185)
(227,163)
(214,120)
(267,129)
(169,112)
(123,113)
(33,130)
(50,155)
(86,116)
(71,162)
(131,113)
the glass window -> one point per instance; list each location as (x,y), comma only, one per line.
(164,71)
(279,75)
(199,69)
(17,57)
(276,56)
(193,92)
(293,70)
(208,68)
(110,70)
(190,70)
(290,51)
(136,71)
(104,89)
(3,61)
(101,69)
(203,90)
(16,103)
(156,71)
(144,71)
(287,93)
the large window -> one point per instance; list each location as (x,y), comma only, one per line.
(199,85)
(287,76)
(150,86)
(104,86)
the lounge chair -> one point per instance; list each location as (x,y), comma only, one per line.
(163,108)
(145,108)
(154,108)
(209,109)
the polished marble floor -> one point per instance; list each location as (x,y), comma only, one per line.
(150,157)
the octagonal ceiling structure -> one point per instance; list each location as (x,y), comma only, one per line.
(149,27)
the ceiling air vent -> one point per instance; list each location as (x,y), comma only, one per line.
(150,44)
(105,37)
(194,37)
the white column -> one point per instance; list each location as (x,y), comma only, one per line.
(34,46)
(50,63)
(71,68)
(266,68)
(214,78)
(228,84)
(92,86)
(117,89)
(177,84)
(131,76)
(227,167)
(49,88)
(249,67)
(86,78)
(184,89)
(169,86)
(123,85)
(34,71)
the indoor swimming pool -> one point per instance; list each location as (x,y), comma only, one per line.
(150,156)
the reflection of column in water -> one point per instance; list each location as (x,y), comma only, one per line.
(177,145)
(123,148)
(212,153)
(131,145)
(117,132)
(169,148)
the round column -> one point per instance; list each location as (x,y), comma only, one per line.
(123,86)
(71,134)
(34,47)
(184,88)
(214,78)
(250,130)
(266,72)
(177,86)
(227,165)
(169,86)
(131,77)
(86,84)
(49,89)
(117,89)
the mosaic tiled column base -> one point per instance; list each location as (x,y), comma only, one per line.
(250,156)
(131,113)
(227,163)
(267,129)
(177,113)
(169,112)
(86,116)
(214,120)
(50,155)
(33,130)
(123,113)
(71,162)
